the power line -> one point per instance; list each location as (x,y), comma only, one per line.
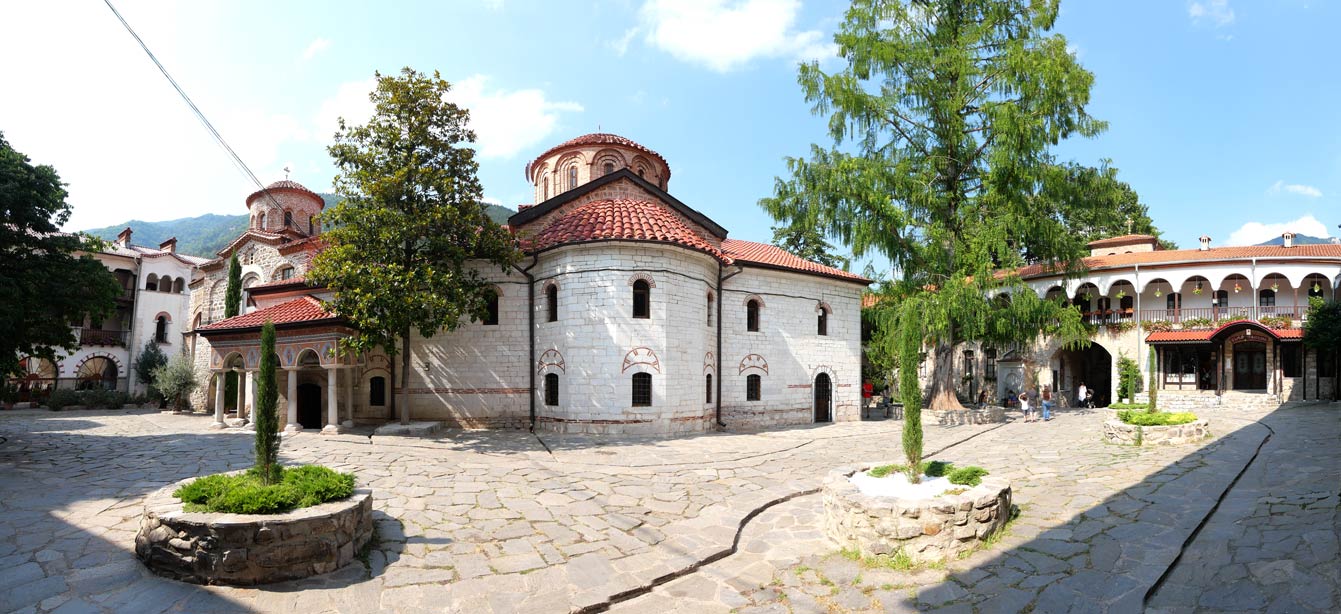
(236,159)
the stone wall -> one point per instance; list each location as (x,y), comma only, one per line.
(1121,433)
(991,414)
(244,550)
(927,530)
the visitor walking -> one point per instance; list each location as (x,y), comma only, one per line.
(982,399)
(1024,406)
(1047,403)
(1081,393)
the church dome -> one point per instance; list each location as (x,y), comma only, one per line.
(577,161)
(286,185)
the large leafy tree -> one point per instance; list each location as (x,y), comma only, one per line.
(1095,204)
(1322,333)
(50,278)
(942,122)
(401,252)
(808,242)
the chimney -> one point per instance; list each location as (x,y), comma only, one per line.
(1205,242)
(169,246)
(123,238)
(1287,239)
(521,208)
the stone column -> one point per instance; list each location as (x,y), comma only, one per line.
(349,399)
(219,378)
(332,408)
(292,425)
(241,393)
(252,397)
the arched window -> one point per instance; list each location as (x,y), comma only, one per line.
(711,303)
(642,299)
(552,302)
(151,284)
(545,183)
(823,324)
(161,329)
(288,219)
(642,172)
(708,379)
(642,389)
(311,225)
(376,391)
(1126,303)
(262,224)
(97,372)
(1266,297)
(752,316)
(179,286)
(552,389)
(284,273)
(609,168)
(572,177)
(1172,300)
(491,308)
(752,384)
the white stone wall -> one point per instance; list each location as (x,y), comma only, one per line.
(149,304)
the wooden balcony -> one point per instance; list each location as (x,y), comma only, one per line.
(93,336)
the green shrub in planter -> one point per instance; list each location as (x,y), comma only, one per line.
(61,398)
(967,476)
(1145,418)
(245,493)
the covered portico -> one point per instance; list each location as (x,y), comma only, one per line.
(1242,355)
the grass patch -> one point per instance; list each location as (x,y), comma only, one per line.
(243,493)
(898,561)
(1128,406)
(962,476)
(1145,418)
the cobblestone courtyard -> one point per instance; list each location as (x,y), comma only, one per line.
(501,522)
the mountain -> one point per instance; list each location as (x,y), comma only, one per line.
(1298,240)
(205,235)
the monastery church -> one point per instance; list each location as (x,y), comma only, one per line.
(631,313)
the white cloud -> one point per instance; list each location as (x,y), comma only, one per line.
(726,35)
(1294,188)
(317,46)
(1254,233)
(621,45)
(350,102)
(1215,12)
(506,122)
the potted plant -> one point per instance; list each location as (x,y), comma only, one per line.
(9,394)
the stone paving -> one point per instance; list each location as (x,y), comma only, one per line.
(496,522)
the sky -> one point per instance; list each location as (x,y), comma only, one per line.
(1222,113)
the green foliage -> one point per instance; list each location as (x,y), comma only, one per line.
(233,295)
(910,345)
(967,476)
(1113,209)
(61,398)
(1128,406)
(1322,331)
(50,278)
(884,470)
(963,476)
(1129,377)
(942,120)
(1153,365)
(412,217)
(1146,418)
(96,398)
(249,493)
(1195,323)
(176,380)
(1276,321)
(808,242)
(266,416)
(1157,325)
(149,360)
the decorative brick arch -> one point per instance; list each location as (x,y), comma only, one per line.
(651,283)
(498,290)
(753,297)
(551,359)
(549,283)
(826,369)
(641,355)
(218,359)
(824,307)
(753,361)
(709,364)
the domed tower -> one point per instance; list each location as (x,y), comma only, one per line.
(288,206)
(573,163)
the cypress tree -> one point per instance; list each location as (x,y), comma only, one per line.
(266,416)
(233,297)
(910,354)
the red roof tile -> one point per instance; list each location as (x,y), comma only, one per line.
(1205,334)
(597,138)
(1117,261)
(301,309)
(1122,240)
(621,219)
(750,252)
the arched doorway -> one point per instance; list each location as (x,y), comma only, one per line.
(309,405)
(823,398)
(1093,367)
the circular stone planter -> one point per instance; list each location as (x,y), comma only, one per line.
(1121,433)
(926,530)
(991,414)
(249,549)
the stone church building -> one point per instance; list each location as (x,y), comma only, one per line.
(631,313)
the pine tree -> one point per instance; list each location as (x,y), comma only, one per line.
(266,416)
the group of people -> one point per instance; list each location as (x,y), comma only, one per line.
(1043,400)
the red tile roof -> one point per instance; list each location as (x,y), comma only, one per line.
(1205,334)
(301,309)
(869,300)
(597,138)
(764,254)
(296,280)
(1122,240)
(621,219)
(1117,261)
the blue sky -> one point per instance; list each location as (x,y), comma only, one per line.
(1222,112)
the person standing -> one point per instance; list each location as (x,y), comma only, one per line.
(1081,393)
(1047,403)
(1024,406)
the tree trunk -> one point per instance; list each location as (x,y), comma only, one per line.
(942,394)
(405,378)
(391,360)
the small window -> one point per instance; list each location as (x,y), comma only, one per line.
(161,330)
(969,363)
(708,379)
(288,219)
(572,177)
(609,167)
(642,172)
(311,225)
(1292,363)
(989,368)
(1266,298)
(752,316)
(552,302)
(642,299)
(1105,304)
(263,216)
(1172,300)
(545,190)
(376,391)
(711,303)
(151,284)
(491,308)
(179,286)
(286,273)
(823,322)
(752,384)
(642,389)
(552,389)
